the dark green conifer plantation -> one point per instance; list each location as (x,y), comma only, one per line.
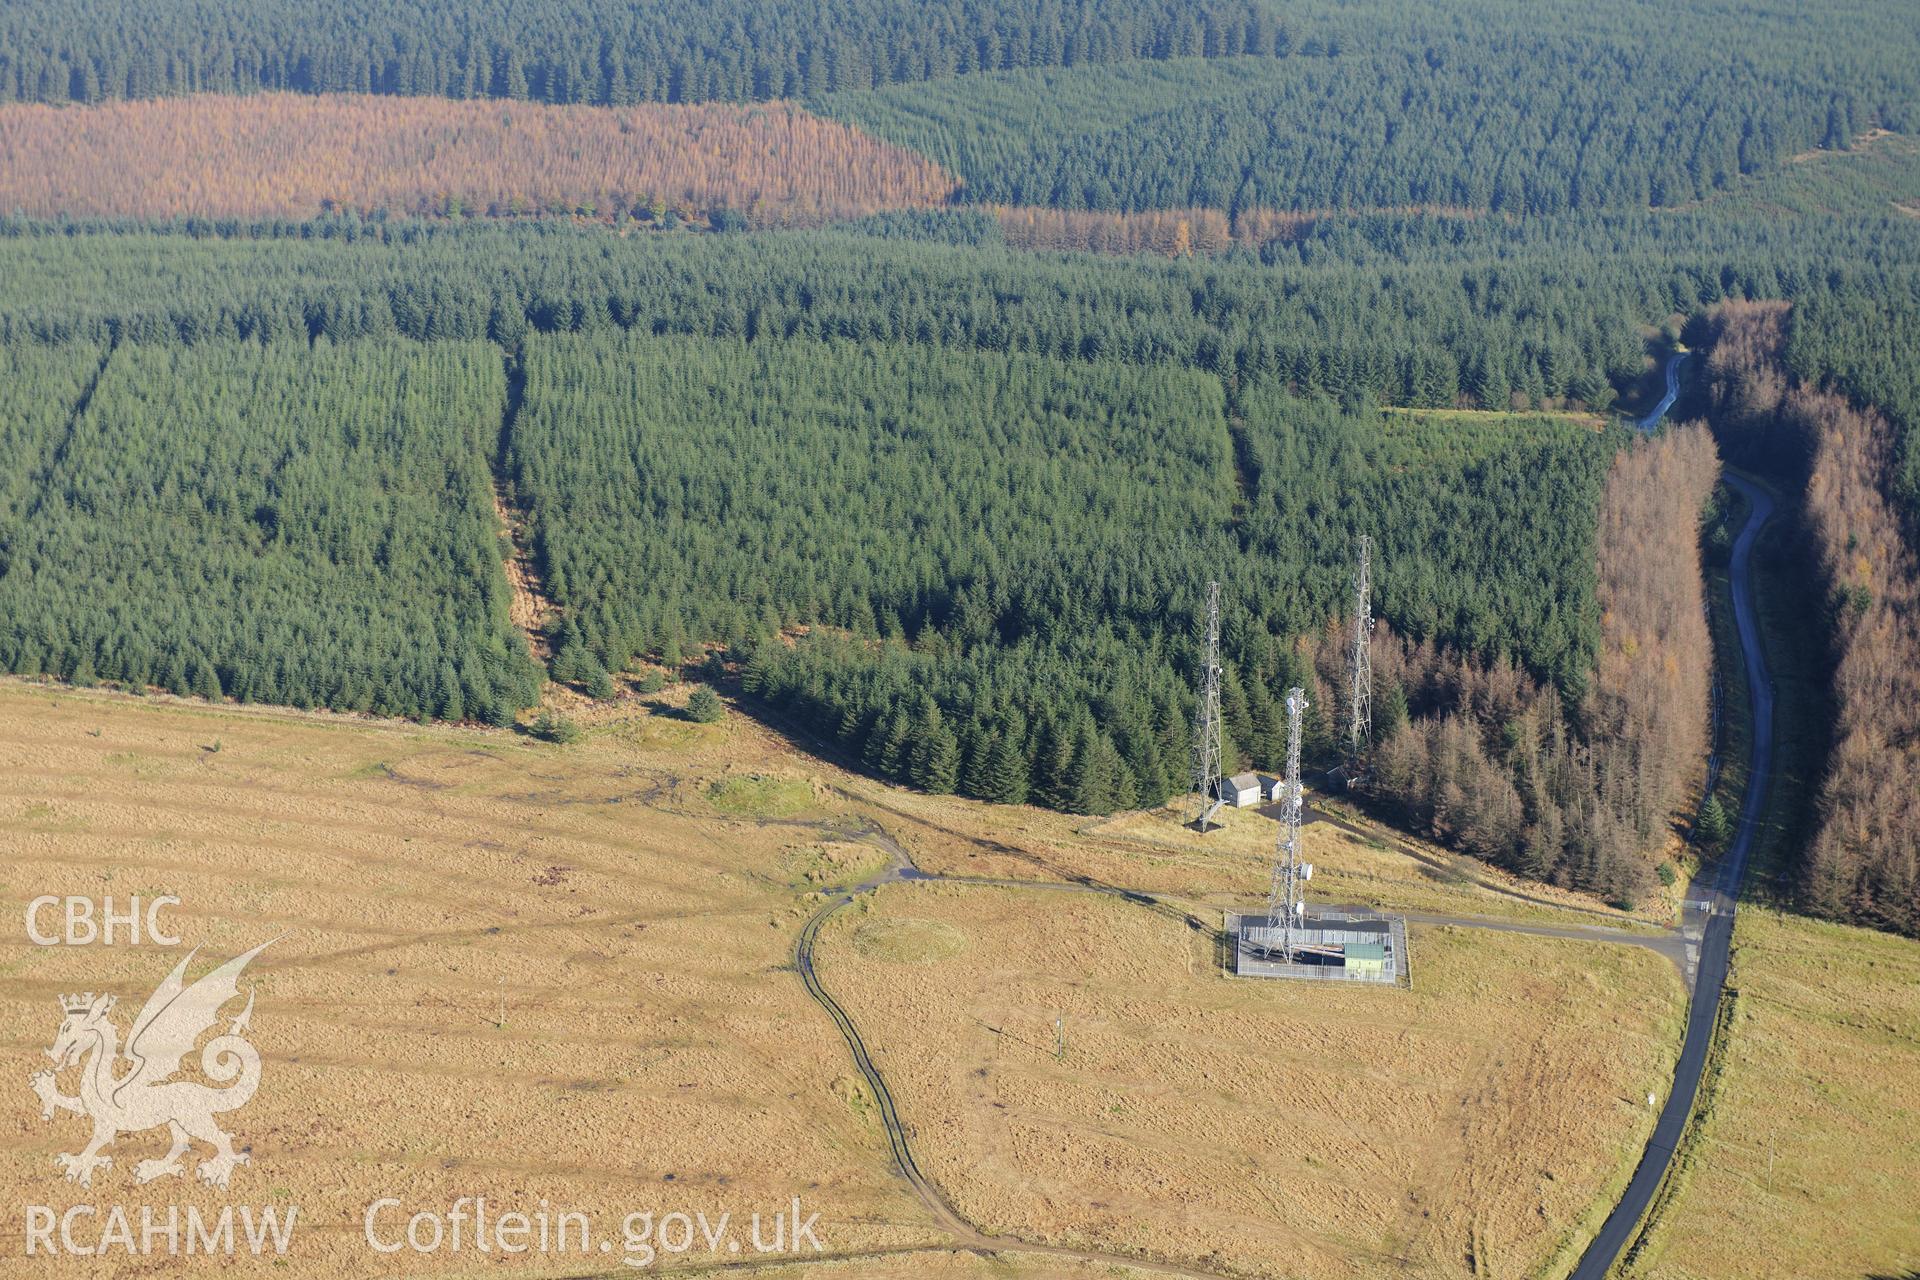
(277,523)
(989,563)
(579,51)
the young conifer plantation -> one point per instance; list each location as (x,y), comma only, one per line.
(40,387)
(1375,108)
(275,523)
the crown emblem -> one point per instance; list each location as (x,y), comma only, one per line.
(174,1019)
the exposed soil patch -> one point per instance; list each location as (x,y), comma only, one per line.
(529,608)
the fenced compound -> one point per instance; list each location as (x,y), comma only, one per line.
(1342,944)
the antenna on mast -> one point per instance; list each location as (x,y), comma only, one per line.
(1207,736)
(1284,905)
(1360,707)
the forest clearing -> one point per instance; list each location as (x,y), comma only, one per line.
(297,156)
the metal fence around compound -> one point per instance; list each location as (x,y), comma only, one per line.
(1327,924)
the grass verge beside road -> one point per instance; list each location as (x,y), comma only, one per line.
(1803,1163)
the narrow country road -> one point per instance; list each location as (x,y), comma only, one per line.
(1670,944)
(1674,362)
(1708,915)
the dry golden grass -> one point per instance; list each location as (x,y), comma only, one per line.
(1807,1164)
(1472,1126)
(655,1052)
(525,971)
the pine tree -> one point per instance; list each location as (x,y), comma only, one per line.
(596,680)
(1236,719)
(938,765)
(922,728)
(885,745)
(1714,827)
(1052,766)
(975,779)
(1006,771)
(1098,780)
(448,702)
(1390,711)
(205,680)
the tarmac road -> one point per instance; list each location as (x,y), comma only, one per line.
(1674,362)
(1711,900)
(1670,944)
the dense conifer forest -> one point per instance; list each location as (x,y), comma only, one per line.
(579,51)
(683,489)
(278,523)
(40,386)
(930,485)
(1543,116)
(1032,537)
(1394,309)
(1067,682)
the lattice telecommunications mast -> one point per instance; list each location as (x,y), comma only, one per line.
(1207,736)
(1286,910)
(1360,708)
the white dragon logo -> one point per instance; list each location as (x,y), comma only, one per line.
(173,1019)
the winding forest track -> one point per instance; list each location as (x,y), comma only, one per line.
(900,868)
(1711,900)
(929,1194)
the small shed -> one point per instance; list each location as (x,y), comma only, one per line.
(1369,957)
(1272,788)
(1242,790)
